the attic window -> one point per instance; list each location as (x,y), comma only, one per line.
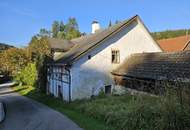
(89,57)
(115,56)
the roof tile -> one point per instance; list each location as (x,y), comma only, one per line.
(174,44)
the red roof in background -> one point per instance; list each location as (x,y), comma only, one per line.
(174,44)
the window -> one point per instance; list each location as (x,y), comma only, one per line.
(115,56)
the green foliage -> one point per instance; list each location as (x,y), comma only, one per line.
(72,33)
(170,34)
(44,33)
(13,60)
(41,64)
(62,26)
(101,94)
(55,28)
(38,47)
(40,54)
(27,75)
(60,30)
(4,46)
(140,112)
(126,112)
(61,35)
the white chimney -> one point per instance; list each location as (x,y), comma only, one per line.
(95,26)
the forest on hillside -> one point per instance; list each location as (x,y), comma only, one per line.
(4,46)
(170,33)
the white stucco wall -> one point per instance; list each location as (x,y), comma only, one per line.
(88,76)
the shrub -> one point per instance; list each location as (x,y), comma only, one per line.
(28,75)
(101,94)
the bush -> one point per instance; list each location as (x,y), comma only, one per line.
(28,75)
(101,94)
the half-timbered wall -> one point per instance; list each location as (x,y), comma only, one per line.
(58,82)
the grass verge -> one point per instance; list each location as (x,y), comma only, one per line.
(127,112)
(84,121)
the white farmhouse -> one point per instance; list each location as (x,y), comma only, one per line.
(86,68)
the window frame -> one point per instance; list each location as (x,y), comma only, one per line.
(115,52)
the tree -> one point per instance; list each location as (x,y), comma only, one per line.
(62,27)
(72,29)
(117,21)
(110,24)
(170,34)
(28,75)
(61,35)
(55,28)
(72,24)
(41,55)
(38,47)
(44,33)
(13,60)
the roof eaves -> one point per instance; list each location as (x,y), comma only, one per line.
(188,42)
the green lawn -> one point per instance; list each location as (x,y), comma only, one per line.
(127,112)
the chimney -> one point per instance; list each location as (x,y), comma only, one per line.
(95,26)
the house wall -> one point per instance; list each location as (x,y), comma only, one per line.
(58,82)
(89,76)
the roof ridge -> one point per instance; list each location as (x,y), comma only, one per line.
(88,44)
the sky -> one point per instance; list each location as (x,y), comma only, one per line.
(22,19)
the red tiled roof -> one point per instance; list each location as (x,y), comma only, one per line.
(174,44)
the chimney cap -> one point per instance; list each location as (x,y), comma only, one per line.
(94,22)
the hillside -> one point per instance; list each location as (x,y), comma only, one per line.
(4,46)
(170,33)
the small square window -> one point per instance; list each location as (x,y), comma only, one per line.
(115,56)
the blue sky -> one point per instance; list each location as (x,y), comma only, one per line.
(21,19)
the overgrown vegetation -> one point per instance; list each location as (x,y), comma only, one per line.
(128,112)
(170,33)
(28,75)
(14,61)
(4,46)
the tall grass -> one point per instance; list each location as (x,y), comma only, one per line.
(141,112)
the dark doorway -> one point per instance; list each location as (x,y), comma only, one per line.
(108,89)
(60,94)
